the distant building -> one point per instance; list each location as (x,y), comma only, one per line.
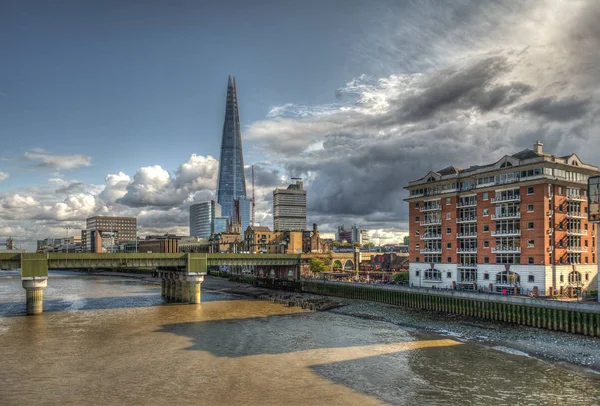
(166,244)
(289,208)
(351,235)
(220,225)
(10,244)
(194,244)
(260,239)
(114,230)
(406,240)
(242,211)
(202,218)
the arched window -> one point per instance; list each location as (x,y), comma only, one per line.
(574,277)
(508,278)
(505,165)
(337,265)
(431,179)
(433,275)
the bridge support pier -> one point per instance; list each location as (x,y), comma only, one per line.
(182,287)
(34,291)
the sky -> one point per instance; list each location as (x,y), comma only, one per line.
(116,108)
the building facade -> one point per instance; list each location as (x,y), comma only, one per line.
(115,230)
(517,224)
(351,235)
(289,208)
(202,218)
(242,212)
(231,184)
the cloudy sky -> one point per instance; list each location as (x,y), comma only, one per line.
(116,108)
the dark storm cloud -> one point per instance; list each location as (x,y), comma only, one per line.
(263,176)
(551,108)
(71,188)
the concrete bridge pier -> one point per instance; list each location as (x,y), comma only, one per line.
(163,285)
(193,281)
(34,291)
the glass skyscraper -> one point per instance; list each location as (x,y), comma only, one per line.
(231,184)
(203,217)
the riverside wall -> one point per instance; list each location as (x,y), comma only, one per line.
(570,317)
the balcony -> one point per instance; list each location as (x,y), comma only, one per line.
(506,199)
(468,219)
(467,204)
(576,214)
(506,250)
(577,249)
(467,266)
(434,207)
(468,250)
(431,237)
(431,222)
(431,250)
(577,198)
(577,232)
(472,234)
(506,233)
(506,216)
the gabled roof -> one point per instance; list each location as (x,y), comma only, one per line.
(450,170)
(258,228)
(526,154)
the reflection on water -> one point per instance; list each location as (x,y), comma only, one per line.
(112,340)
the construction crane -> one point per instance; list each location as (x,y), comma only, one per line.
(253,199)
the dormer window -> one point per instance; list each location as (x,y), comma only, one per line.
(431,179)
(505,165)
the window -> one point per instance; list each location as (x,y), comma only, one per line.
(486,244)
(530,207)
(586,261)
(417,232)
(448,274)
(448,200)
(417,246)
(560,190)
(562,278)
(530,225)
(486,212)
(486,260)
(448,230)
(486,276)
(587,276)
(449,259)
(586,243)
(530,244)
(485,196)
(418,259)
(448,216)
(530,278)
(417,272)
(433,275)
(530,190)
(416,205)
(530,260)
(486,228)
(448,245)
(417,219)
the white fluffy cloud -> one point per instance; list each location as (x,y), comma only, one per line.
(3,176)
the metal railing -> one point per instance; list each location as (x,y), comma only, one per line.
(506,233)
(506,199)
(431,222)
(506,250)
(431,250)
(467,204)
(469,219)
(504,216)
(577,249)
(576,232)
(469,266)
(466,250)
(576,214)
(467,235)
(578,198)
(431,237)
(435,207)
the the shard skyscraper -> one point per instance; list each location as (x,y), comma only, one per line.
(231,184)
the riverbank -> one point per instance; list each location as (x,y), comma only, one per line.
(547,345)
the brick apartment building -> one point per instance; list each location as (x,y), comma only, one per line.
(520,222)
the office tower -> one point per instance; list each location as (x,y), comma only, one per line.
(515,224)
(289,207)
(202,218)
(231,184)
(243,212)
(115,230)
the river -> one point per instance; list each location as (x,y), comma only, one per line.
(112,340)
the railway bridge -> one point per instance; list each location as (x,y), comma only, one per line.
(181,274)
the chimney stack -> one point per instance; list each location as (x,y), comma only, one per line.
(537,147)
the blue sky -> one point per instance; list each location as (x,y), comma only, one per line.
(116,108)
(140,83)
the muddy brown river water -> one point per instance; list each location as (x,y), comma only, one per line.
(112,340)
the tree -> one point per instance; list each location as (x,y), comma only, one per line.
(400,277)
(356,244)
(369,245)
(317,266)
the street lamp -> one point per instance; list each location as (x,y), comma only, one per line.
(67,231)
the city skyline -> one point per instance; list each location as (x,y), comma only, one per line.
(370,100)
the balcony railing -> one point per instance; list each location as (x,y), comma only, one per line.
(576,214)
(431,237)
(467,266)
(572,231)
(577,249)
(506,199)
(435,207)
(577,198)
(506,233)
(506,250)
(431,222)
(468,280)
(506,216)
(468,219)
(470,250)
(467,204)
(467,235)
(431,250)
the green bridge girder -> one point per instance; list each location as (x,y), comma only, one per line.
(37,265)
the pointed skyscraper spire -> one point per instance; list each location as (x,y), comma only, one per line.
(231,184)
